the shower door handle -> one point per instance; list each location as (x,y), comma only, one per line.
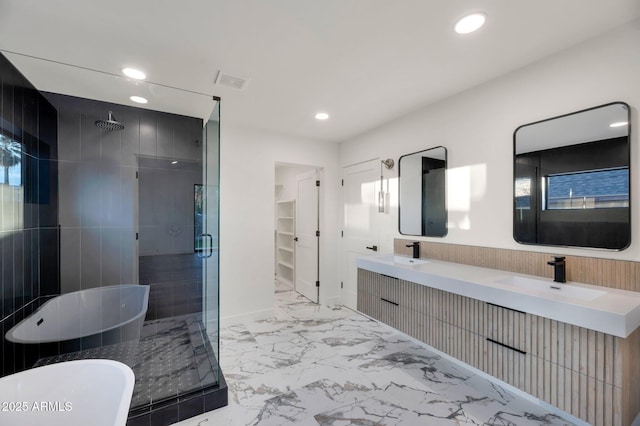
(208,251)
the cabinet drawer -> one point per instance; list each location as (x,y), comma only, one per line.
(506,327)
(384,286)
(381,309)
(507,364)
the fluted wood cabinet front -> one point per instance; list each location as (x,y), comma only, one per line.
(589,374)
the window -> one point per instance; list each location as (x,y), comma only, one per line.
(10,161)
(591,189)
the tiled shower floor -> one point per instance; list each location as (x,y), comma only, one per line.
(313,365)
(170,358)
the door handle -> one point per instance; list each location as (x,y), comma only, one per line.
(374,248)
(209,250)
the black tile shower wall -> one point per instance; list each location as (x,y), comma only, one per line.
(29,237)
(114,184)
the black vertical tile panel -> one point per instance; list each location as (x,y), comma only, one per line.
(111,256)
(69,259)
(30,121)
(69,204)
(27,118)
(165,136)
(90,134)
(110,194)
(29,276)
(47,128)
(6,106)
(4,347)
(6,288)
(18,106)
(129,197)
(49,261)
(7,272)
(183,139)
(90,193)
(148,132)
(110,140)
(130,137)
(7,348)
(90,198)
(31,188)
(91,256)
(47,172)
(32,262)
(21,293)
(69,129)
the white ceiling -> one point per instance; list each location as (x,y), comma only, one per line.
(365,62)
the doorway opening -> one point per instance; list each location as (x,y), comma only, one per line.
(297,229)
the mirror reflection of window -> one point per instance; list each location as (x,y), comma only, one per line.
(590,189)
(571,176)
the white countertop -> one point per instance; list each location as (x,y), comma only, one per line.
(615,312)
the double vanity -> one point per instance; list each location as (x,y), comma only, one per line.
(572,345)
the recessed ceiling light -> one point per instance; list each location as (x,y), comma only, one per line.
(139,99)
(322,116)
(470,23)
(134,73)
(618,124)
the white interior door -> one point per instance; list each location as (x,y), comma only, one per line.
(360,226)
(306,239)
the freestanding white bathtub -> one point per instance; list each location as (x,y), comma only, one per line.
(86,392)
(97,317)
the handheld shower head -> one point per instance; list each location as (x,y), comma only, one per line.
(109,124)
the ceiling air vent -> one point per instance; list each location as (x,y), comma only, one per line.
(232,81)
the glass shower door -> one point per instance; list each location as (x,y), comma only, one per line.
(210,234)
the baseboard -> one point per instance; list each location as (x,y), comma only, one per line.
(334,301)
(251,316)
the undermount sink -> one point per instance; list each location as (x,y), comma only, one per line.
(84,392)
(403,260)
(552,288)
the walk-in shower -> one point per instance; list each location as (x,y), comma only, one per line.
(97,204)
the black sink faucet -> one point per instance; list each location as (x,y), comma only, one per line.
(416,249)
(559,269)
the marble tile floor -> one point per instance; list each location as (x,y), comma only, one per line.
(314,365)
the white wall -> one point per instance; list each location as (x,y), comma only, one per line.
(248,158)
(477,127)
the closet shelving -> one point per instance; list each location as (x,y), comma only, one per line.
(285,245)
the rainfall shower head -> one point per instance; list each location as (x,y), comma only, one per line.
(109,124)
